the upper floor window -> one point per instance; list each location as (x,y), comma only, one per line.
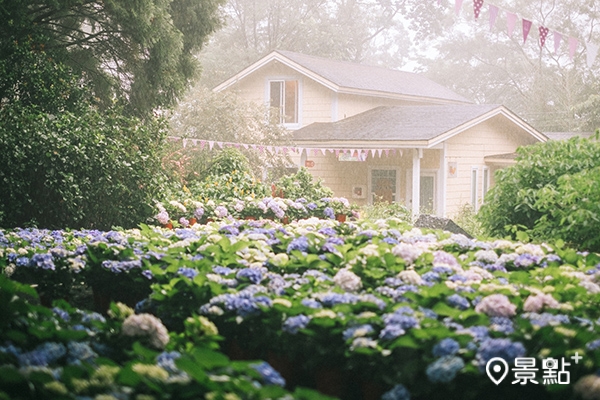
(283,95)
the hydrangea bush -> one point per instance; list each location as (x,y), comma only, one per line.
(354,310)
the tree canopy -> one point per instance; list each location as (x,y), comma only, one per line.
(140,53)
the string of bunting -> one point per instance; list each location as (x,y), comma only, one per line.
(527,24)
(362,154)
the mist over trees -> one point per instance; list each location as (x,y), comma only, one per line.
(548,89)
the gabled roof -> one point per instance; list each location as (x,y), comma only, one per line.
(354,78)
(420,126)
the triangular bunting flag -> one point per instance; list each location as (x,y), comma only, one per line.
(373,153)
(211,144)
(557,39)
(270,149)
(184,143)
(511,20)
(477,4)
(592,53)
(493,15)
(323,151)
(526,28)
(572,47)
(393,152)
(195,142)
(457,6)
(244,145)
(337,152)
(220,144)
(387,152)
(261,149)
(379,151)
(315,152)
(543,33)
(202,144)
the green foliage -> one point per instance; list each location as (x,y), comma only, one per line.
(549,193)
(89,169)
(204,115)
(228,177)
(302,185)
(141,51)
(467,220)
(383,210)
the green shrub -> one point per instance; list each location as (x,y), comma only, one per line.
(382,210)
(85,169)
(549,193)
(302,185)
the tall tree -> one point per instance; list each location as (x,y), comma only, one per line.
(356,30)
(548,89)
(139,52)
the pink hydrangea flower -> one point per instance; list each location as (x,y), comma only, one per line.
(496,305)
(537,302)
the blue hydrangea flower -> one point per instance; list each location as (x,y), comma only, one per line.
(167,359)
(329,213)
(43,355)
(358,330)
(398,392)
(502,324)
(446,347)
(294,324)
(391,331)
(78,352)
(187,272)
(268,374)
(593,345)
(62,314)
(311,303)
(458,301)
(299,243)
(217,269)
(43,261)
(444,369)
(252,274)
(503,348)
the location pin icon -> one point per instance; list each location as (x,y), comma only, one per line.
(496,369)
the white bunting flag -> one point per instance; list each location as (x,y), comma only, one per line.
(557,40)
(592,53)
(211,144)
(184,143)
(511,20)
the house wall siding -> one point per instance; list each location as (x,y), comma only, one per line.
(468,149)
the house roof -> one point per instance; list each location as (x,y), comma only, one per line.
(354,78)
(421,126)
(567,135)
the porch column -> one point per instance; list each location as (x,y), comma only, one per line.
(416,181)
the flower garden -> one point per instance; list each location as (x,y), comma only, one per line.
(315,308)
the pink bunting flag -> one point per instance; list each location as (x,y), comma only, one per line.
(261,149)
(337,152)
(493,15)
(387,152)
(543,34)
(511,20)
(526,29)
(457,6)
(237,145)
(557,39)
(393,152)
(220,144)
(592,53)
(572,47)
(244,145)
(477,4)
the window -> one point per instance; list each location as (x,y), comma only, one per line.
(486,181)
(283,95)
(383,185)
(474,188)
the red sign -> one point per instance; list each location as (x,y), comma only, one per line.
(309,163)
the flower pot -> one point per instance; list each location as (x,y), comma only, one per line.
(285,220)
(193,221)
(168,225)
(340,217)
(250,218)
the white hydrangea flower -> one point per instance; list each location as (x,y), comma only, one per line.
(347,280)
(149,326)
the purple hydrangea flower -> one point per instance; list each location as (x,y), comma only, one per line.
(294,324)
(458,301)
(252,274)
(329,213)
(446,347)
(187,272)
(398,392)
(269,374)
(503,348)
(444,369)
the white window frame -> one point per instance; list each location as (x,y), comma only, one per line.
(474,186)
(485,184)
(283,79)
